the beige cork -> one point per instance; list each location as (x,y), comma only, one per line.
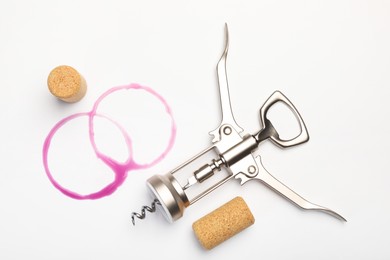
(223,223)
(67,84)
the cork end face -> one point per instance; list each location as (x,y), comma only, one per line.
(67,84)
(223,223)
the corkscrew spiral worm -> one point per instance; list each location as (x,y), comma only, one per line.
(142,215)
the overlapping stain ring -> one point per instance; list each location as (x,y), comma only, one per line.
(120,169)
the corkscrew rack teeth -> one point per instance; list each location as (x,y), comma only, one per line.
(232,150)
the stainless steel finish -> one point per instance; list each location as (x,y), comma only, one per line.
(234,151)
(204,172)
(240,150)
(268,130)
(170,194)
(196,157)
(226,108)
(142,215)
(252,169)
(227,130)
(212,188)
(265,177)
(207,170)
(191,181)
(227,139)
(245,167)
(239,147)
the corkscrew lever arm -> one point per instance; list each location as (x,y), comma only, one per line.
(269,132)
(226,108)
(265,177)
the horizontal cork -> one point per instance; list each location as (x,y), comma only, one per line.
(67,84)
(223,223)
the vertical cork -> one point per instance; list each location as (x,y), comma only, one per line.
(67,84)
(223,223)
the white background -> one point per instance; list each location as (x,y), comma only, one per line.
(331,58)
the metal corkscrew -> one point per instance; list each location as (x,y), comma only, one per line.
(232,150)
(152,208)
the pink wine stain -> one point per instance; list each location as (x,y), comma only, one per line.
(120,169)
